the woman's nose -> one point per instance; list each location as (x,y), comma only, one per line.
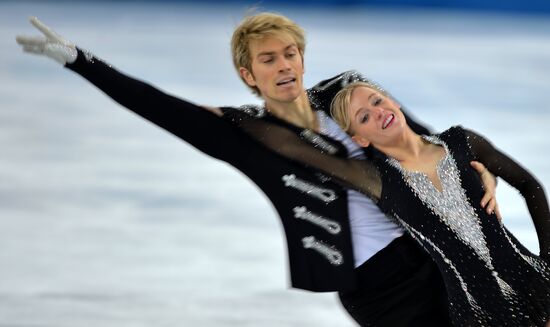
(379,113)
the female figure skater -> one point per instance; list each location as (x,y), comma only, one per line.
(428,186)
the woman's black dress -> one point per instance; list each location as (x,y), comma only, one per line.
(491,279)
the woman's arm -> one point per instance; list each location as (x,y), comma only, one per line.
(514,174)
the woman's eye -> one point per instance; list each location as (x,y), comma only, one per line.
(365,119)
(377,101)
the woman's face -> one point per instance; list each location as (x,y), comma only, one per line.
(375,118)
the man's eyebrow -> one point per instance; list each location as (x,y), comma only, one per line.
(266,53)
(270,53)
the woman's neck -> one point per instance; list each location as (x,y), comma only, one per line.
(409,147)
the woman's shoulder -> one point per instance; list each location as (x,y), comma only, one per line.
(454,130)
(458,139)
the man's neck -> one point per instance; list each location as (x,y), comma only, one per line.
(297,112)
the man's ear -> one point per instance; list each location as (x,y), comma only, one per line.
(247,76)
(303,65)
(361,141)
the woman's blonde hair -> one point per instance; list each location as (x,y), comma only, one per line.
(258,27)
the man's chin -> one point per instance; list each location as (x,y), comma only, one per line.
(287,97)
(291,95)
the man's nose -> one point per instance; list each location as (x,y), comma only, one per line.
(284,65)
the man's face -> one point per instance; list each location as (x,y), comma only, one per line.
(375,118)
(277,69)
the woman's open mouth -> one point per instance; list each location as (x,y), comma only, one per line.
(388,121)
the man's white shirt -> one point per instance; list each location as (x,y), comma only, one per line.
(371,230)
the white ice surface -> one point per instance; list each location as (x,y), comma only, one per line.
(106,220)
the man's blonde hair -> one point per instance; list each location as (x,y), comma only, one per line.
(339,108)
(258,27)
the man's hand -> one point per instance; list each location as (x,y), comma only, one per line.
(50,44)
(489,201)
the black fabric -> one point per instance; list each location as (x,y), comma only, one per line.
(518,177)
(477,297)
(259,154)
(179,117)
(400,286)
(463,271)
(223,139)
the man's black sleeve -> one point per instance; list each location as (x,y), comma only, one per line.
(196,125)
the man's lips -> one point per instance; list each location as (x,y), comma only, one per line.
(286,81)
(388,121)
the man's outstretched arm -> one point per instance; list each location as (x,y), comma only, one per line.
(200,126)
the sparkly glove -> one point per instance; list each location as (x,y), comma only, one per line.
(51,44)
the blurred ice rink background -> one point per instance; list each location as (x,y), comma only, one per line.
(106,220)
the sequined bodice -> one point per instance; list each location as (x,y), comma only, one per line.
(451,206)
(452,213)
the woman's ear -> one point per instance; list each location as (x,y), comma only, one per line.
(361,141)
(247,76)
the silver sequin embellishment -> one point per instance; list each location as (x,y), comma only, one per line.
(417,235)
(328,224)
(253,110)
(323,194)
(343,79)
(539,265)
(452,207)
(333,256)
(322,177)
(88,56)
(318,141)
(346,78)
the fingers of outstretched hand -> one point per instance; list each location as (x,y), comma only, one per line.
(50,44)
(49,33)
(33,49)
(30,40)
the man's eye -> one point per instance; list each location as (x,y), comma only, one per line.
(291,55)
(267,60)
